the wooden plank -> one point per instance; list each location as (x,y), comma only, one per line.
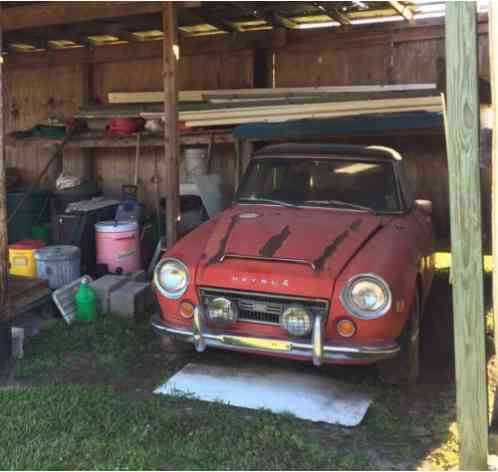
(279,118)
(171,145)
(466,233)
(404,10)
(4,250)
(63,13)
(93,141)
(200,95)
(147,50)
(493,66)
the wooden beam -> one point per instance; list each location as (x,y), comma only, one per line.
(63,13)
(404,10)
(4,250)
(171,142)
(493,69)
(334,13)
(466,233)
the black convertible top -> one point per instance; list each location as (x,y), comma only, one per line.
(314,149)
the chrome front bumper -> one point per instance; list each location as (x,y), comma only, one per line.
(317,351)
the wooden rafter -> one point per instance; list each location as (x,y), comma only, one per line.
(404,10)
(334,13)
(205,15)
(63,13)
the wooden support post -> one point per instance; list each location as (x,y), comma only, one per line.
(238,163)
(4,250)
(493,68)
(466,233)
(246,154)
(171,141)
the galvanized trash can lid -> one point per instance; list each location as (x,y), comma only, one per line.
(57,253)
(115,226)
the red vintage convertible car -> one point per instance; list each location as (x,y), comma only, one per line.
(324,255)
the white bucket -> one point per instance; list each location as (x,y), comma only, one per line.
(195,163)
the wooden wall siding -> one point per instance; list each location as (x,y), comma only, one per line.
(32,97)
(113,169)
(325,66)
(400,62)
(207,71)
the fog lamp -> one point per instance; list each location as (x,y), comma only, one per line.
(222,311)
(296,321)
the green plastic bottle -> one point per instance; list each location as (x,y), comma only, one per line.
(86,303)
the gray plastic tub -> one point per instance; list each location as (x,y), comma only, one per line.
(60,265)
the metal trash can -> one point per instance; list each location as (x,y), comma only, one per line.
(60,265)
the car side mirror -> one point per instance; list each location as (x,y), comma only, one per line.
(424,205)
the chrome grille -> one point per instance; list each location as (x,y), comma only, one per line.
(261,307)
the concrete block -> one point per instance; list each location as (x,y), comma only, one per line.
(130,299)
(104,287)
(137,276)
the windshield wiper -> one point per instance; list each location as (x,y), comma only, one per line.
(342,204)
(268,200)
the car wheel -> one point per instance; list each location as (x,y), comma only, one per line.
(173,346)
(404,368)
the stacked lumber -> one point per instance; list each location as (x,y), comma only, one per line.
(204,108)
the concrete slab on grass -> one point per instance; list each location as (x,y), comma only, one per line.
(306,395)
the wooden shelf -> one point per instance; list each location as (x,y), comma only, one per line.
(94,140)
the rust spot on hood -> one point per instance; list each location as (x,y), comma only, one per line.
(223,243)
(329,250)
(355,225)
(275,243)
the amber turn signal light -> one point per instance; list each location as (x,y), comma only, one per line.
(186,309)
(346,328)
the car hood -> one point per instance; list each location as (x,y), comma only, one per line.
(250,244)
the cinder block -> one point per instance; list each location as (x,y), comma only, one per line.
(130,299)
(104,287)
(137,276)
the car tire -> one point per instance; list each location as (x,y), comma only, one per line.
(404,368)
(173,346)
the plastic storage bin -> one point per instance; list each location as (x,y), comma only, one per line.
(59,265)
(22,257)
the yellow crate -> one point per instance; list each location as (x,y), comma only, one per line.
(22,260)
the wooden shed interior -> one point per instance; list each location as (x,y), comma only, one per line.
(55,63)
(64,56)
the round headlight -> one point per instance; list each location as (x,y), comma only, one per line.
(171,278)
(367,296)
(222,311)
(296,321)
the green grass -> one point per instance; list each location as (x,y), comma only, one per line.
(70,427)
(78,408)
(112,344)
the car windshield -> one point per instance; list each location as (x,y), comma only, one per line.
(354,184)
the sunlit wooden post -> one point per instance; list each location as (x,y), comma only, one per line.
(466,232)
